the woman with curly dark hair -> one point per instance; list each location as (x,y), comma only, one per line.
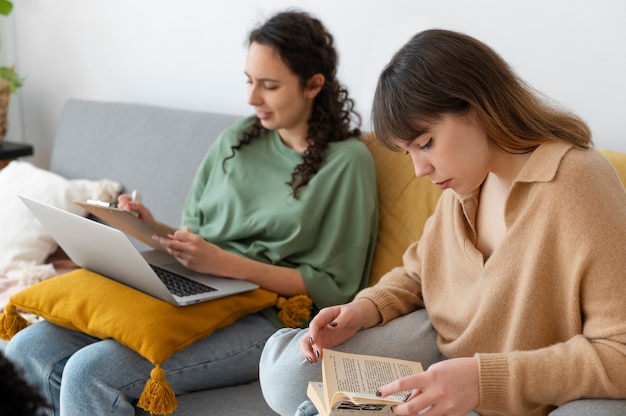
(285,199)
(308,53)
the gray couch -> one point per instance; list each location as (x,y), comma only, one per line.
(156,151)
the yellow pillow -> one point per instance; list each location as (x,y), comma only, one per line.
(618,160)
(405,203)
(88,302)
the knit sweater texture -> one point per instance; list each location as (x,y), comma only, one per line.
(546,314)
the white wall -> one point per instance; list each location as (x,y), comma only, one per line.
(190,53)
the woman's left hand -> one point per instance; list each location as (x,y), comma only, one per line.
(449,387)
(192,251)
(195,253)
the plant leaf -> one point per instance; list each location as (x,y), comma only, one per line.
(5,7)
(15,81)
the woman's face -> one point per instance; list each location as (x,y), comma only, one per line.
(453,152)
(276,94)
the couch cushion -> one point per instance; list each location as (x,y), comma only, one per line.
(154,150)
(618,160)
(405,203)
(241,400)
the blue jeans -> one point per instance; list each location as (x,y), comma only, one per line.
(81,375)
(410,337)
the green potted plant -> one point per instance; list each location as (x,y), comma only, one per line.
(6,72)
(10,81)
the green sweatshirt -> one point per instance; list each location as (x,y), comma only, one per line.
(328,233)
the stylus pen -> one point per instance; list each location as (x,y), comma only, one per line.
(135,196)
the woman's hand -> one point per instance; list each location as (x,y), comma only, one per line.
(192,251)
(195,253)
(127,203)
(335,325)
(449,387)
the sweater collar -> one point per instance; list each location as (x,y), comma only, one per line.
(542,166)
(544,162)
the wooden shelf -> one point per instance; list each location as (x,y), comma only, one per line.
(10,151)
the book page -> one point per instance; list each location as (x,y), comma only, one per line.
(359,376)
(315,392)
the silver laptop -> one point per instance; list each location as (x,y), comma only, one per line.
(109,252)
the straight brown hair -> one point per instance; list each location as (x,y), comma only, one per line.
(444,72)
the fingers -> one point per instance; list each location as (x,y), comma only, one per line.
(309,349)
(171,245)
(331,326)
(416,400)
(184,234)
(181,255)
(135,207)
(415,406)
(183,245)
(410,383)
(442,392)
(311,352)
(323,332)
(123,200)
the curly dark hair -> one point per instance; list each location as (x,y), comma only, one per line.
(307,48)
(17,397)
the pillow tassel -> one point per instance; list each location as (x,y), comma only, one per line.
(294,311)
(11,322)
(157,396)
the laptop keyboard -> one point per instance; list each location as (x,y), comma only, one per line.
(179,285)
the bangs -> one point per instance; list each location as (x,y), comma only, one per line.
(400,118)
(401,110)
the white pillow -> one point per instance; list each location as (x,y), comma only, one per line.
(22,237)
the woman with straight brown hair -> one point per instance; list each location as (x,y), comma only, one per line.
(513,298)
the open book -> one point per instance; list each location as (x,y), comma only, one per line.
(349,383)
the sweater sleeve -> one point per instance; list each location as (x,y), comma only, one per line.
(399,291)
(340,264)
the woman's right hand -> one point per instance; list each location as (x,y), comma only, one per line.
(336,324)
(126,202)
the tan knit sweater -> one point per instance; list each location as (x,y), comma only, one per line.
(546,314)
